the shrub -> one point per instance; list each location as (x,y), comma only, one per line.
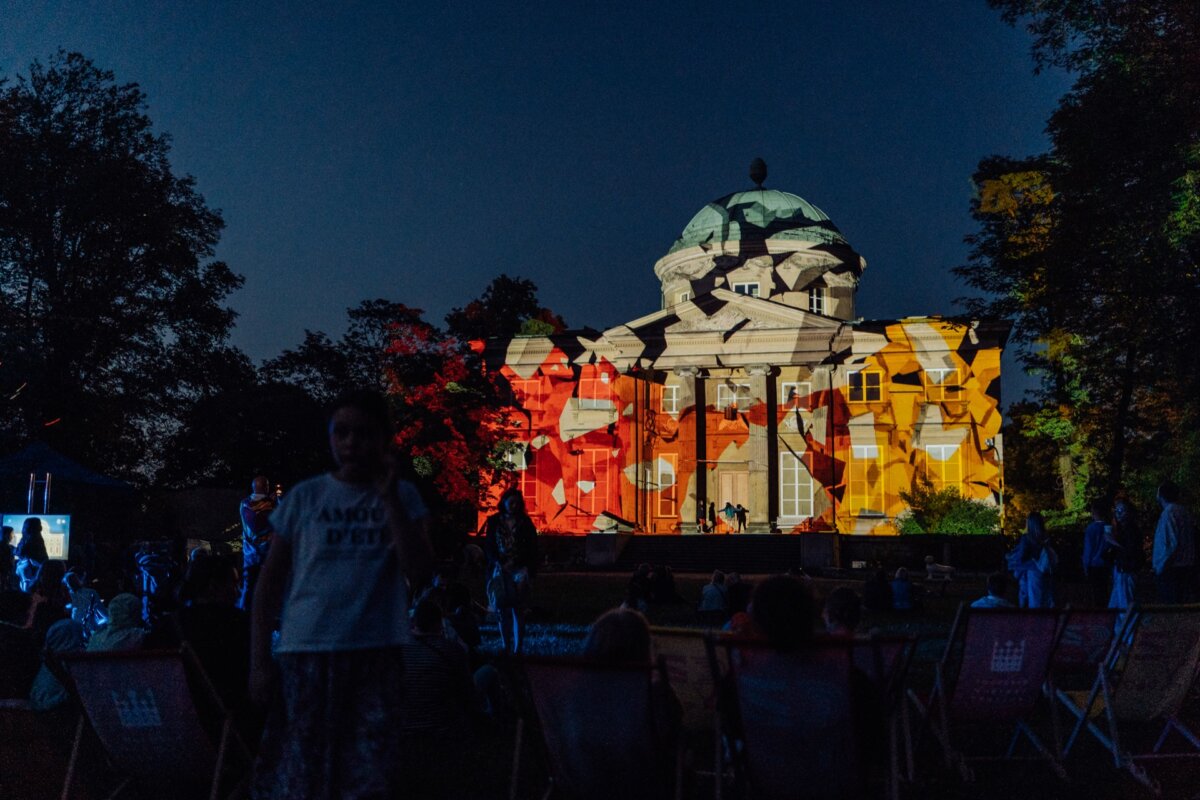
(945,511)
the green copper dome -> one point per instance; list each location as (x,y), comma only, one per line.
(758,215)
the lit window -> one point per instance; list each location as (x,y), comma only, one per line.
(733,395)
(795,393)
(666,485)
(816,299)
(595,392)
(670,400)
(795,487)
(683,297)
(750,289)
(943,466)
(527,479)
(866,386)
(865,495)
(591,480)
(942,385)
(528,394)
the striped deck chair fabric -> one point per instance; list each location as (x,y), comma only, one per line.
(141,708)
(795,720)
(996,681)
(1142,685)
(602,734)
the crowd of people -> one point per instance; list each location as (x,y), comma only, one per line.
(1115,548)
(365,692)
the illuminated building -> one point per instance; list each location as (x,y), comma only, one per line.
(754,385)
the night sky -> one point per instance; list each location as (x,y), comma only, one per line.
(413,152)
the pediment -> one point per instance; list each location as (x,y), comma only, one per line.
(725,311)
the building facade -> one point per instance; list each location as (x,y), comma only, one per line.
(754,385)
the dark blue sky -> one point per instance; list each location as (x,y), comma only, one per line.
(413,152)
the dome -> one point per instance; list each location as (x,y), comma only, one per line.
(758,215)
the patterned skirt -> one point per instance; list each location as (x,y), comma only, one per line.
(334,733)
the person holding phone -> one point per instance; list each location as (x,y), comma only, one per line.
(347,545)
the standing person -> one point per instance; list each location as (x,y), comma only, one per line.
(1095,551)
(1174,555)
(741,513)
(729,512)
(31,554)
(510,543)
(344,543)
(712,517)
(256,536)
(1034,561)
(1129,555)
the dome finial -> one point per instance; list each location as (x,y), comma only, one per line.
(758,171)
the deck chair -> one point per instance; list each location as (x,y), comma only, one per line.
(991,676)
(794,719)
(143,710)
(1144,680)
(885,661)
(685,656)
(602,735)
(1086,638)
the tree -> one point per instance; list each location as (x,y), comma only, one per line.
(507,307)
(1093,247)
(112,305)
(359,359)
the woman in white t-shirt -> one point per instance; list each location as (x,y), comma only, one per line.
(335,579)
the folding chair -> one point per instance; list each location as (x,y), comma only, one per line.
(1085,641)
(685,655)
(1146,677)
(142,710)
(992,674)
(885,661)
(605,730)
(793,729)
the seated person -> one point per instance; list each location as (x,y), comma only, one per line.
(86,607)
(842,613)
(48,692)
(903,594)
(434,701)
(877,592)
(210,622)
(738,597)
(123,631)
(997,586)
(460,616)
(712,596)
(622,636)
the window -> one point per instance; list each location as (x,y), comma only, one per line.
(528,394)
(943,466)
(866,386)
(865,495)
(942,385)
(816,299)
(527,478)
(591,480)
(733,395)
(595,392)
(670,400)
(795,487)
(683,297)
(795,393)
(667,492)
(750,289)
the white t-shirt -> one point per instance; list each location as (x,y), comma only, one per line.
(347,590)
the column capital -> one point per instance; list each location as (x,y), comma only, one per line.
(760,369)
(687,372)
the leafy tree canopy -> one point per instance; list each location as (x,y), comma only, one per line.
(1093,247)
(113,308)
